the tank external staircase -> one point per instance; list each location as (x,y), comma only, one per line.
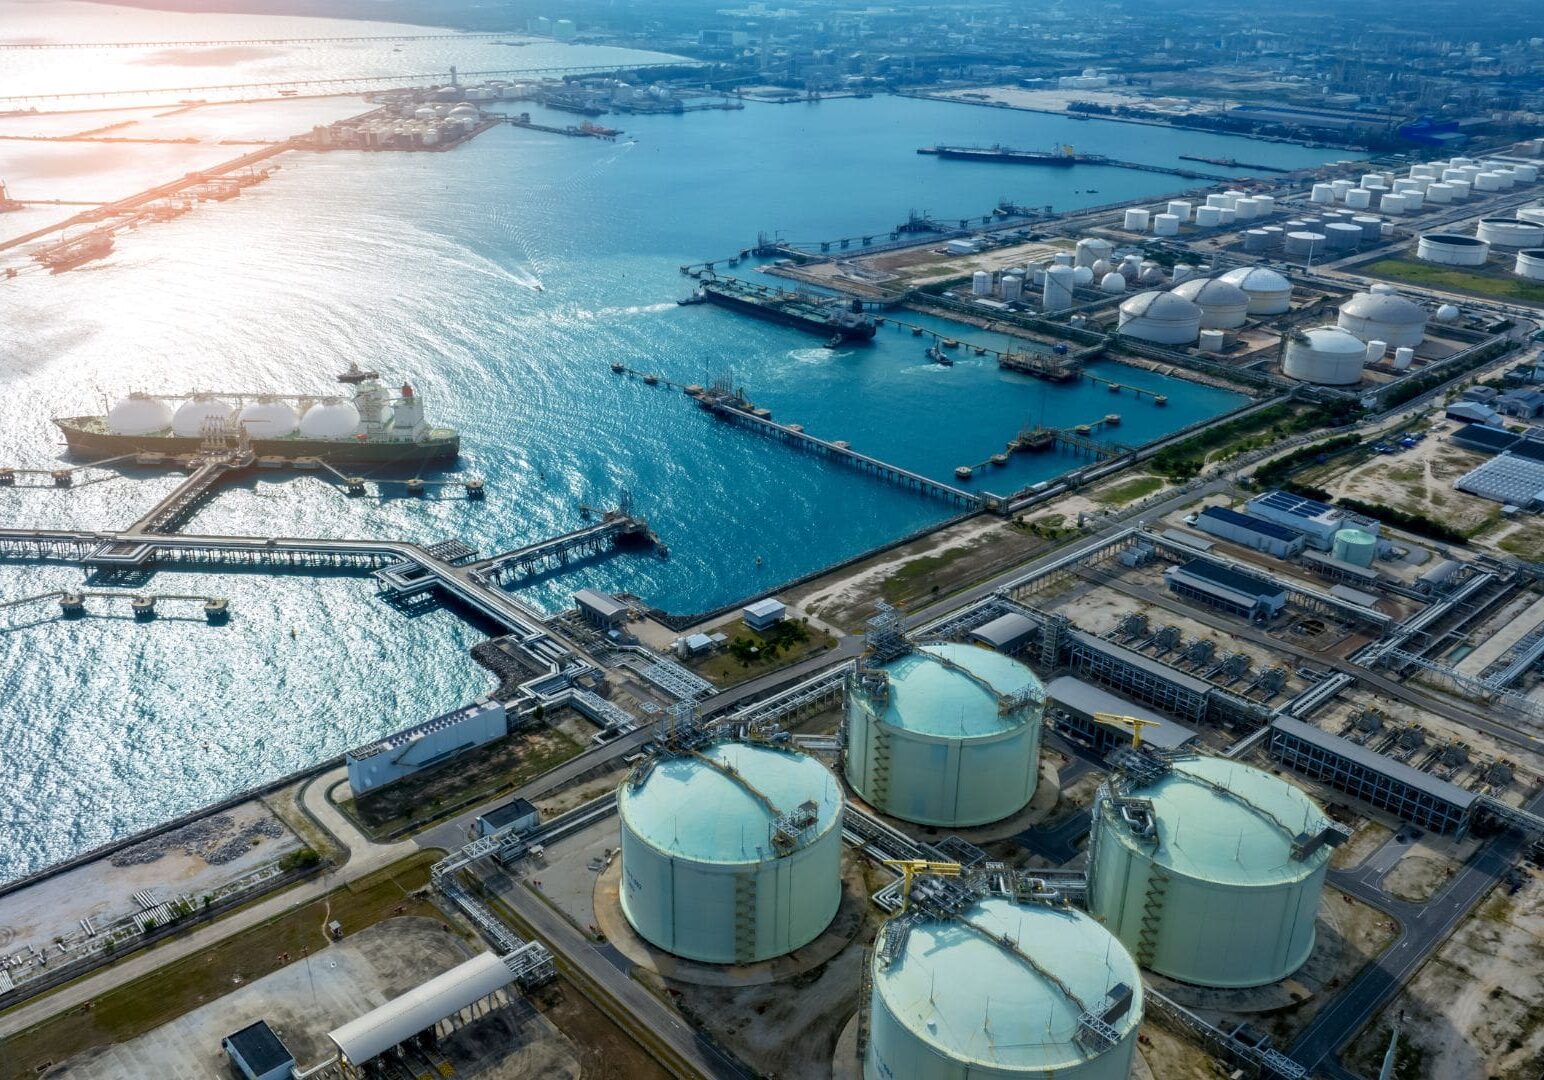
(744,918)
(1152,916)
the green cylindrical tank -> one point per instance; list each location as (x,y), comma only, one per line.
(1355,546)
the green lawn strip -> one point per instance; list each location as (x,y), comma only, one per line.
(1454,279)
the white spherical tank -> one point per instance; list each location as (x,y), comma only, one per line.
(1530,264)
(1269,293)
(1389,317)
(1510,233)
(1325,356)
(268,419)
(731,856)
(196,414)
(1450,312)
(946,735)
(139,414)
(1160,317)
(1101,268)
(1223,305)
(1059,283)
(996,993)
(1136,220)
(1452,249)
(331,419)
(1112,283)
(1082,275)
(1207,885)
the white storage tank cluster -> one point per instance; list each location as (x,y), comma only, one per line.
(1160,317)
(1510,232)
(197,413)
(139,414)
(1530,264)
(1452,249)
(1326,356)
(1269,293)
(1208,883)
(946,735)
(731,856)
(268,419)
(998,992)
(1383,315)
(1223,305)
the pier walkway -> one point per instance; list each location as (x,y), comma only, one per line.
(186,497)
(615,530)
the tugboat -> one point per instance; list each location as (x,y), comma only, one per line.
(938,356)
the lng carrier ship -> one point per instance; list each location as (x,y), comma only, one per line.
(819,315)
(365,424)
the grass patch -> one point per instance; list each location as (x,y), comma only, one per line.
(1131,490)
(1456,279)
(1525,543)
(130,1010)
(752,652)
(910,579)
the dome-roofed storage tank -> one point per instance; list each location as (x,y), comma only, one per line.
(139,414)
(268,419)
(1091,249)
(1325,356)
(1355,546)
(1160,317)
(197,413)
(1386,316)
(945,735)
(1223,305)
(330,419)
(731,854)
(1209,871)
(1269,293)
(1000,991)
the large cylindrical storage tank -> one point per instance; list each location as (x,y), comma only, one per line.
(1057,294)
(1340,187)
(1160,317)
(1439,194)
(1342,235)
(1325,356)
(946,735)
(1487,181)
(733,855)
(1224,306)
(1387,316)
(1322,193)
(1226,215)
(1452,249)
(1392,204)
(981,283)
(1534,214)
(1305,243)
(1404,356)
(1530,264)
(1355,546)
(1136,221)
(1180,209)
(195,414)
(1510,233)
(1214,893)
(1244,209)
(1208,217)
(1090,250)
(139,414)
(1257,241)
(1376,350)
(1526,174)
(1013,287)
(1359,198)
(1265,205)
(1269,293)
(1414,200)
(996,993)
(1165,225)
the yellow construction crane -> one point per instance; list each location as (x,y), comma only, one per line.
(910,868)
(1133,724)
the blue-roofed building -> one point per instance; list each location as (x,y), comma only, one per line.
(1252,532)
(1472,412)
(1317,521)
(1522,403)
(1484,438)
(1223,587)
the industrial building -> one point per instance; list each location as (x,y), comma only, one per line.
(731,854)
(1001,990)
(256,1053)
(1509,478)
(1485,438)
(1209,871)
(516,816)
(945,735)
(1223,587)
(1072,703)
(601,609)
(424,745)
(1406,792)
(1137,676)
(1007,633)
(1316,520)
(1251,532)
(764,614)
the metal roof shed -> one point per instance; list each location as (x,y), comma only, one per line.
(600,607)
(1085,699)
(377,1031)
(1006,633)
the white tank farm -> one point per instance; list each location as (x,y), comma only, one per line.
(996,994)
(195,414)
(1211,886)
(268,420)
(1223,305)
(1510,233)
(139,414)
(1530,264)
(1160,317)
(1452,249)
(331,419)
(733,856)
(1386,316)
(1269,293)
(946,735)
(1325,356)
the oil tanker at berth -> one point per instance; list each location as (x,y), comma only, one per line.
(819,315)
(364,424)
(1062,156)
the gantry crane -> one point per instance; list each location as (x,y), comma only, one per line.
(911,868)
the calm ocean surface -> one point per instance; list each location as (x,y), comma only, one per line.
(424,266)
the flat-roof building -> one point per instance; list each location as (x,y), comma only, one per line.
(1485,438)
(1316,520)
(1007,633)
(600,609)
(517,815)
(1251,531)
(1226,588)
(1072,703)
(425,745)
(258,1054)
(1137,676)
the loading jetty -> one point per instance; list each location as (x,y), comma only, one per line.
(1232,163)
(585,130)
(1077,440)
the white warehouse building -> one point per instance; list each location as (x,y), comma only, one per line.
(424,745)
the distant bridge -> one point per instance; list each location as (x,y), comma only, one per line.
(250,41)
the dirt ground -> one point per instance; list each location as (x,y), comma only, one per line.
(1477,1008)
(1056,101)
(577,794)
(1369,837)
(1170,1057)
(1419,875)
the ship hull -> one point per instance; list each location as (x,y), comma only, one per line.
(775,314)
(83,440)
(1008,157)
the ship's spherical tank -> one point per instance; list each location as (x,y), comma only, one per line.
(330,420)
(138,415)
(1269,293)
(1326,356)
(195,414)
(946,735)
(1160,317)
(1223,306)
(1211,886)
(268,420)
(1112,283)
(1386,316)
(733,856)
(996,994)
